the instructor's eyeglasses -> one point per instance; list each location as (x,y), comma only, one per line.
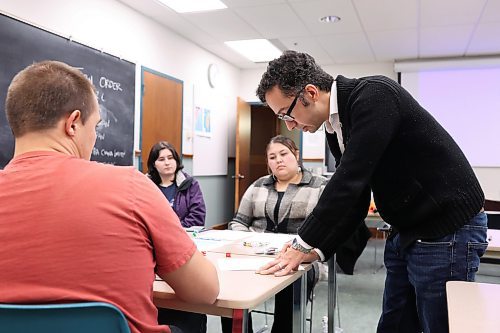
(287,116)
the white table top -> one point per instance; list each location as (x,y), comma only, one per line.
(493,240)
(238,290)
(473,307)
(493,249)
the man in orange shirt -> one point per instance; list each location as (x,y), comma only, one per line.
(73,230)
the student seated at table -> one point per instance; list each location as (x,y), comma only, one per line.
(181,190)
(72,230)
(278,203)
(183,193)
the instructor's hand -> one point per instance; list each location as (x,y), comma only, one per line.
(284,264)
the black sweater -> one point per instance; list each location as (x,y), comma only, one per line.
(421,181)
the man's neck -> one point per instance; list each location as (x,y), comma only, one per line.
(46,141)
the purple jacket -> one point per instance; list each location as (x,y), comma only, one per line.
(188,203)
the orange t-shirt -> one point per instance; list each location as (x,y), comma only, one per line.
(73,230)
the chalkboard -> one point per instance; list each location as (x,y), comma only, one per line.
(114,79)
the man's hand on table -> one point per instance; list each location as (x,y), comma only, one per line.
(287,261)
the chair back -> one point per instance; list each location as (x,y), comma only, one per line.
(95,317)
(493,220)
(492,209)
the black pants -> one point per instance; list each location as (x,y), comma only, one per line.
(187,322)
(283,308)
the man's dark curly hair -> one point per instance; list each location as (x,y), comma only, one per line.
(291,72)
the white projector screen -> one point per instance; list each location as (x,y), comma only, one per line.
(466,102)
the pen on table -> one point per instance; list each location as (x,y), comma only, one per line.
(204,229)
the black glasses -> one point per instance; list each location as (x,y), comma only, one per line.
(287,116)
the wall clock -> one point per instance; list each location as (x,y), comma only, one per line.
(213,73)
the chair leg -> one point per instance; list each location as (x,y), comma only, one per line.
(311,315)
(384,230)
(265,309)
(375,252)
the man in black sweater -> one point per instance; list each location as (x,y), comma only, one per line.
(385,142)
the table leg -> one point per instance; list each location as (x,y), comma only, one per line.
(240,321)
(332,293)
(299,305)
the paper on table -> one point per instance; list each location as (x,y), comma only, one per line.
(224,235)
(208,244)
(270,239)
(244,264)
(209,240)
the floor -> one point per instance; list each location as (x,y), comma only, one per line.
(359,296)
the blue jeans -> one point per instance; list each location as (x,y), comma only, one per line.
(415,285)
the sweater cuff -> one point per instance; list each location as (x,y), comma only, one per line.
(314,233)
(320,254)
(304,244)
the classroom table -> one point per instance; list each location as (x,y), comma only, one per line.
(237,247)
(240,292)
(374,220)
(473,307)
(493,249)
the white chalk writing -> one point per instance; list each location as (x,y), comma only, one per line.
(108,84)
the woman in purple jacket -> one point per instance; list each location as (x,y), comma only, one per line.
(184,195)
(181,190)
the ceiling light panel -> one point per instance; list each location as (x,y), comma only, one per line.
(257,50)
(190,6)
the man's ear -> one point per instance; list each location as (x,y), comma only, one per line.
(72,122)
(312,91)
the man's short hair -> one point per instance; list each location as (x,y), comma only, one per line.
(291,72)
(42,93)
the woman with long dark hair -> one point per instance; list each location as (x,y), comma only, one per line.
(181,190)
(184,195)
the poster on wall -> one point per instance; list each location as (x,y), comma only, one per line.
(202,121)
(210,131)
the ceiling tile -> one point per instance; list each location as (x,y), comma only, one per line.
(449,12)
(311,11)
(273,21)
(387,14)
(225,52)
(486,39)
(369,30)
(348,48)
(170,19)
(223,25)
(394,44)
(491,12)
(310,46)
(445,41)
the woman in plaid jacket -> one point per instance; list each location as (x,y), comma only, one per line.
(279,203)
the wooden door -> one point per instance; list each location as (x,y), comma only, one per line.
(256,125)
(242,165)
(264,127)
(161,113)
